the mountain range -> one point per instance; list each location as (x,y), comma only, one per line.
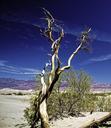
(17,84)
(32,84)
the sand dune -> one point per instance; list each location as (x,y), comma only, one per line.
(11,111)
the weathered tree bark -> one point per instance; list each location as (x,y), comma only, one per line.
(43,105)
(44,115)
(56,69)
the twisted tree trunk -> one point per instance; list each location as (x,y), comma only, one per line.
(43,106)
(56,69)
(44,115)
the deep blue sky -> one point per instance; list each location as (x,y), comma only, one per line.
(23,51)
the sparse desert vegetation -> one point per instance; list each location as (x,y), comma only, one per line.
(72,100)
(12,109)
(64,97)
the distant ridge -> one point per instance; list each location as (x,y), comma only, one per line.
(32,84)
(18,84)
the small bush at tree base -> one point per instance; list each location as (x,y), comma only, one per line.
(70,100)
(66,101)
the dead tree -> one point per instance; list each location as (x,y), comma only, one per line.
(56,68)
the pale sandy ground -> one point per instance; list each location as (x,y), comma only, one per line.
(11,111)
(80,122)
(11,114)
(8,91)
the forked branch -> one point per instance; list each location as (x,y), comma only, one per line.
(55,64)
(83,41)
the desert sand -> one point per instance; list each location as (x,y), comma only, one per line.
(12,111)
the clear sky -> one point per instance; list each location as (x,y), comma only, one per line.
(24,51)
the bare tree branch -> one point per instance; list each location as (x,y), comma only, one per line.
(83,41)
(50,21)
(41,111)
(71,57)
